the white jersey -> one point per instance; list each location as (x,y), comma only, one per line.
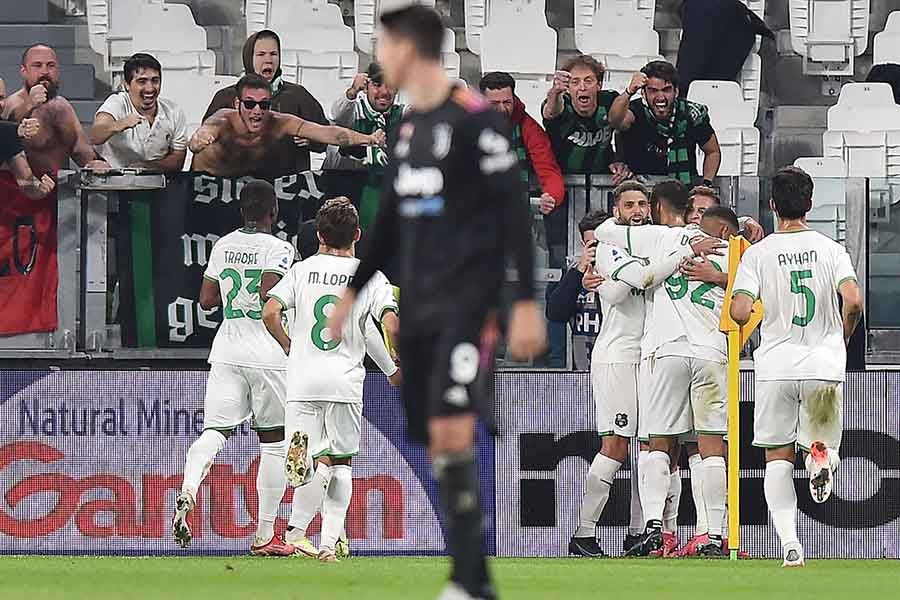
(237,264)
(797,275)
(657,243)
(320,368)
(619,340)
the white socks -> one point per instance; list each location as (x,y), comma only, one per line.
(642,480)
(636,524)
(714,491)
(270,484)
(782,500)
(673,502)
(596,494)
(335,505)
(657,480)
(695,462)
(199,459)
(307,502)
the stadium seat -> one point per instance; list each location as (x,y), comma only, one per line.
(822,167)
(176,40)
(256,15)
(585,10)
(750,80)
(365,16)
(111,24)
(325,74)
(757,6)
(828,34)
(532,93)
(887,43)
(476,18)
(518,20)
(449,56)
(864,107)
(733,119)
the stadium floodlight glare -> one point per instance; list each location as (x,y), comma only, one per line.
(737,337)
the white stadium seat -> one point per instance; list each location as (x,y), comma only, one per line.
(175,40)
(733,120)
(325,74)
(365,17)
(532,93)
(476,15)
(864,130)
(887,43)
(449,56)
(750,80)
(828,34)
(586,9)
(822,166)
(518,20)
(757,6)
(111,25)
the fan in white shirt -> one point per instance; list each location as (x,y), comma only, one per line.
(800,363)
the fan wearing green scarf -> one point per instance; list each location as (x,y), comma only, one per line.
(661,132)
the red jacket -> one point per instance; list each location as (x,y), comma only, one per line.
(540,154)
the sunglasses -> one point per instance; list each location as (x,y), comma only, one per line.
(251,104)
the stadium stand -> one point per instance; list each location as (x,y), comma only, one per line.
(733,119)
(829,34)
(822,167)
(887,43)
(365,16)
(111,25)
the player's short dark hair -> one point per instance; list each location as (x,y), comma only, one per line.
(661,69)
(706,192)
(629,186)
(420,25)
(251,81)
(139,61)
(672,193)
(337,222)
(586,60)
(724,214)
(592,220)
(792,191)
(257,200)
(496,80)
(32,47)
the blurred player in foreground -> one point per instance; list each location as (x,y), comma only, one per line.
(800,364)
(247,367)
(326,373)
(451,212)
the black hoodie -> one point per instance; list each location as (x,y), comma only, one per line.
(287,98)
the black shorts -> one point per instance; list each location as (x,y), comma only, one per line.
(446,373)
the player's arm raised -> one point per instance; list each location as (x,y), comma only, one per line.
(209,132)
(330,134)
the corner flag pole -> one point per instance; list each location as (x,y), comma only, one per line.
(737,337)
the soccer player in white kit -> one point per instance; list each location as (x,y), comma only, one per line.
(658,418)
(325,368)
(247,368)
(800,364)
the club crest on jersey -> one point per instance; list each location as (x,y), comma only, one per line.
(443,138)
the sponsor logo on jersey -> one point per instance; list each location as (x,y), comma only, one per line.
(589,139)
(425,181)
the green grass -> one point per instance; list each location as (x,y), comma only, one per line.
(245,578)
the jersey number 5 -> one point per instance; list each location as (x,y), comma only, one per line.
(797,287)
(321,323)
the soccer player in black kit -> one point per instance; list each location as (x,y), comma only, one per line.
(450,214)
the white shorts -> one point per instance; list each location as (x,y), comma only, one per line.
(235,394)
(333,427)
(684,394)
(615,388)
(801,412)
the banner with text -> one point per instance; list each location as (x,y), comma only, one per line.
(165,238)
(549,439)
(91,462)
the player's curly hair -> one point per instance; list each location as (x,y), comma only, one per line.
(337,223)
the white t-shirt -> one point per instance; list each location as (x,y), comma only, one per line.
(237,263)
(320,369)
(143,142)
(797,276)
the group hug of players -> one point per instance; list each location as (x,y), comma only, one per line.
(659,364)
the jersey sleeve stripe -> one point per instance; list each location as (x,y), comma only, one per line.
(615,274)
(208,278)
(386,310)
(845,280)
(279,300)
(744,292)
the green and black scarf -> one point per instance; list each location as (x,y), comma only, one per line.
(685,116)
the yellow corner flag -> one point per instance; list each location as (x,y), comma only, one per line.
(737,337)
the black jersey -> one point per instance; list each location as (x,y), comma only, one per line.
(10,145)
(451,213)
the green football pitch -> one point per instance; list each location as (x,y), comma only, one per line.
(92,578)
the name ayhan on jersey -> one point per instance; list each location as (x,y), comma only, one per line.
(241,258)
(324,278)
(797,258)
